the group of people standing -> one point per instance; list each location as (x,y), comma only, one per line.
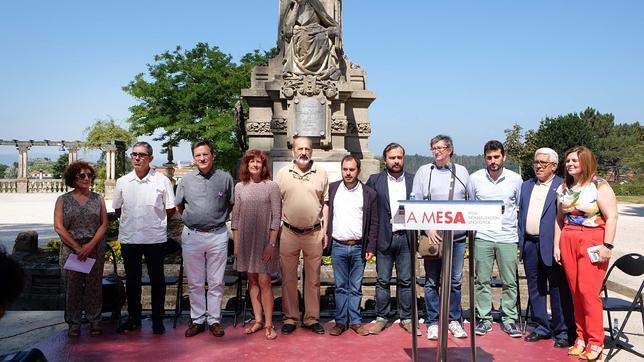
(547,221)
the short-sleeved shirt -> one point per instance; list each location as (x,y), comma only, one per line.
(506,188)
(206,199)
(303,195)
(143,203)
(581,206)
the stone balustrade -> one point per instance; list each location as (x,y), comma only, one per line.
(47,185)
(8,185)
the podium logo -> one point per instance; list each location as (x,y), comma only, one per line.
(437,217)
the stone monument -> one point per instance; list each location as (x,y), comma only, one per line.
(311,88)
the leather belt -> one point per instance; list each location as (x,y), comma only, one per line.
(204,230)
(534,238)
(348,242)
(297,230)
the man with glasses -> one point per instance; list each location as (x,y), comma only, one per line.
(305,193)
(537,214)
(495,182)
(143,200)
(433,181)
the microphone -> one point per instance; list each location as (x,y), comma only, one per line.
(467,196)
(429,184)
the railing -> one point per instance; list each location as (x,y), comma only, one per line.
(8,185)
(47,186)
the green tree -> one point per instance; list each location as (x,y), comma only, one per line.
(12,171)
(3,168)
(103,132)
(562,133)
(59,167)
(620,145)
(188,95)
(520,147)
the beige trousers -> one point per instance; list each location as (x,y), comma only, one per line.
(291,244)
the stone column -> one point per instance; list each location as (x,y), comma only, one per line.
(23,182)
(73,153)
(110,170)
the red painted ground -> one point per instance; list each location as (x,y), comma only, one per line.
(303,345)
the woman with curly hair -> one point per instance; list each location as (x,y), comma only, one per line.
(80,219)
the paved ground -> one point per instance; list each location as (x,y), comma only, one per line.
(22,212)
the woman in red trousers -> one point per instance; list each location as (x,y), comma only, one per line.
(584,233)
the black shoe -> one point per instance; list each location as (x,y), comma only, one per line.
(288,328)
(315,328)
(534,336)
(129,325)
(158,328)
(561,343)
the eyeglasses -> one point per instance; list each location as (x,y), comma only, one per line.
(439,148)
(137,154)
(541,163)
(84,175)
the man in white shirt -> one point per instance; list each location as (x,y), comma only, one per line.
(353,230)
(143,201)
(496,183)
(393,246)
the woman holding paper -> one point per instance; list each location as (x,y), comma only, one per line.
(80,219)
(584,233)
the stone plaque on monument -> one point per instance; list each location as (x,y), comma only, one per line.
(310,116)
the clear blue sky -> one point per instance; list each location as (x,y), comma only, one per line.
(469,69)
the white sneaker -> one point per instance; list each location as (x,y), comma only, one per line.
(457,330)
(432,332)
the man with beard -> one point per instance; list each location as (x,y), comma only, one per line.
(496,183)
(393,244)
(304,188)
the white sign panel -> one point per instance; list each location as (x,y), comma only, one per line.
(451,215)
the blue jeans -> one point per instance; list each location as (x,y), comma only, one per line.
(348,269)
(398,252)
(432,285)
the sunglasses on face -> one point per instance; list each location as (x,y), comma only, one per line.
(84,175)
(137,154)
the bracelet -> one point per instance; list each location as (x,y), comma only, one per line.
(609,246)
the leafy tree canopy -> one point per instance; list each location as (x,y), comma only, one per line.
(189,95)
(103,132)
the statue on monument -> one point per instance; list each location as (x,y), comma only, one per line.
(310,38)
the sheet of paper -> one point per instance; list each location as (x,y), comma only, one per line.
(74,264)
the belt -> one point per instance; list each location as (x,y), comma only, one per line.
(534,238)
(297,230)
(348,242)
(205,230)
(399,232)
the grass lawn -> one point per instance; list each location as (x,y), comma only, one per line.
(631,199)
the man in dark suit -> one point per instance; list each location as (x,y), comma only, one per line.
(537,213)
(353,229)
(393,245)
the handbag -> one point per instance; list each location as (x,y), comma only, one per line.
(427,249)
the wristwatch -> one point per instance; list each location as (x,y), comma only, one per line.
(609,246)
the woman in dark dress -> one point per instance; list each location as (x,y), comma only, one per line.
(80,219)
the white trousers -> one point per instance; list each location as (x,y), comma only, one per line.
(204,260)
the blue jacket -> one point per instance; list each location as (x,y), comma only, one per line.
(548,217)
(378,182)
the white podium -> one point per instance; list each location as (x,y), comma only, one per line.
(448,215)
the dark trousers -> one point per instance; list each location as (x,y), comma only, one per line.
(132,261)
(397,253)
(544,280)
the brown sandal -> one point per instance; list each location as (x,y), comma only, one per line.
(270,332)
(255,327)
